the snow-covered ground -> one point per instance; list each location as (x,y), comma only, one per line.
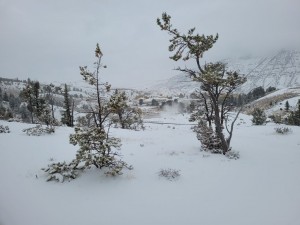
(262,187)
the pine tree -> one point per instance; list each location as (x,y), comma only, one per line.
(27,95)
(5,97)
(118,106)
(14,103)
(46,117)
(128,117)
(259,117)
(287,106)
(36,105)
(258,92)
(96,147)
(36,101)
(217,83)
(50,90)
(67,116)
(24,113)
(270,89)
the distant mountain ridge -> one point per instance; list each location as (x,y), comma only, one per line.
(281,70)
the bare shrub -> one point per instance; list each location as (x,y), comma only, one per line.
(283,130)
(232,155)
(169,174)
(4,129)
(39,130)
(265,102)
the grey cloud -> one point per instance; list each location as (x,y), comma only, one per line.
(49,40)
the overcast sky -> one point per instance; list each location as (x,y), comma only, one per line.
(49,40)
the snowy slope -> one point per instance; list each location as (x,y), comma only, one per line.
(274,103)
(262,187)
(281,70)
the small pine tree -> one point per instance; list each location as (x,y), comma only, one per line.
(67,115)
(46,117)
(5,97)
(287,106)
(270,89)
(27,95)
(154,102)
(141,101)
(259,117)
(50,90)
(128,117)
(258,92)
(96,146)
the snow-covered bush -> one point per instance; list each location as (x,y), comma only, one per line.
(206,135)
(283,130)
(259,116)
(169,174)
(97,149)
(61,171)
(4,129)
(39,130)
(232,155)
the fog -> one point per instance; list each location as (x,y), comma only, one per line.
(49,40)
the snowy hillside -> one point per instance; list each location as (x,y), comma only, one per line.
(262,187)
(281,71)
(274,103)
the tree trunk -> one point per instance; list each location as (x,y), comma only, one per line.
(31,114)
(72,115)
(121,120)
(52,110)
(219,129)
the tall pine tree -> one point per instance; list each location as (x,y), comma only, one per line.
(67,115)
(217,83)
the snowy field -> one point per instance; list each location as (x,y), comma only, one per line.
(262,187)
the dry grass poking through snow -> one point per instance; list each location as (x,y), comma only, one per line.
(268,102)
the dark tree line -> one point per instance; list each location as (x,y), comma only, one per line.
(242,99)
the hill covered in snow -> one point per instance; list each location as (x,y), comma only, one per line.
(281,70)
